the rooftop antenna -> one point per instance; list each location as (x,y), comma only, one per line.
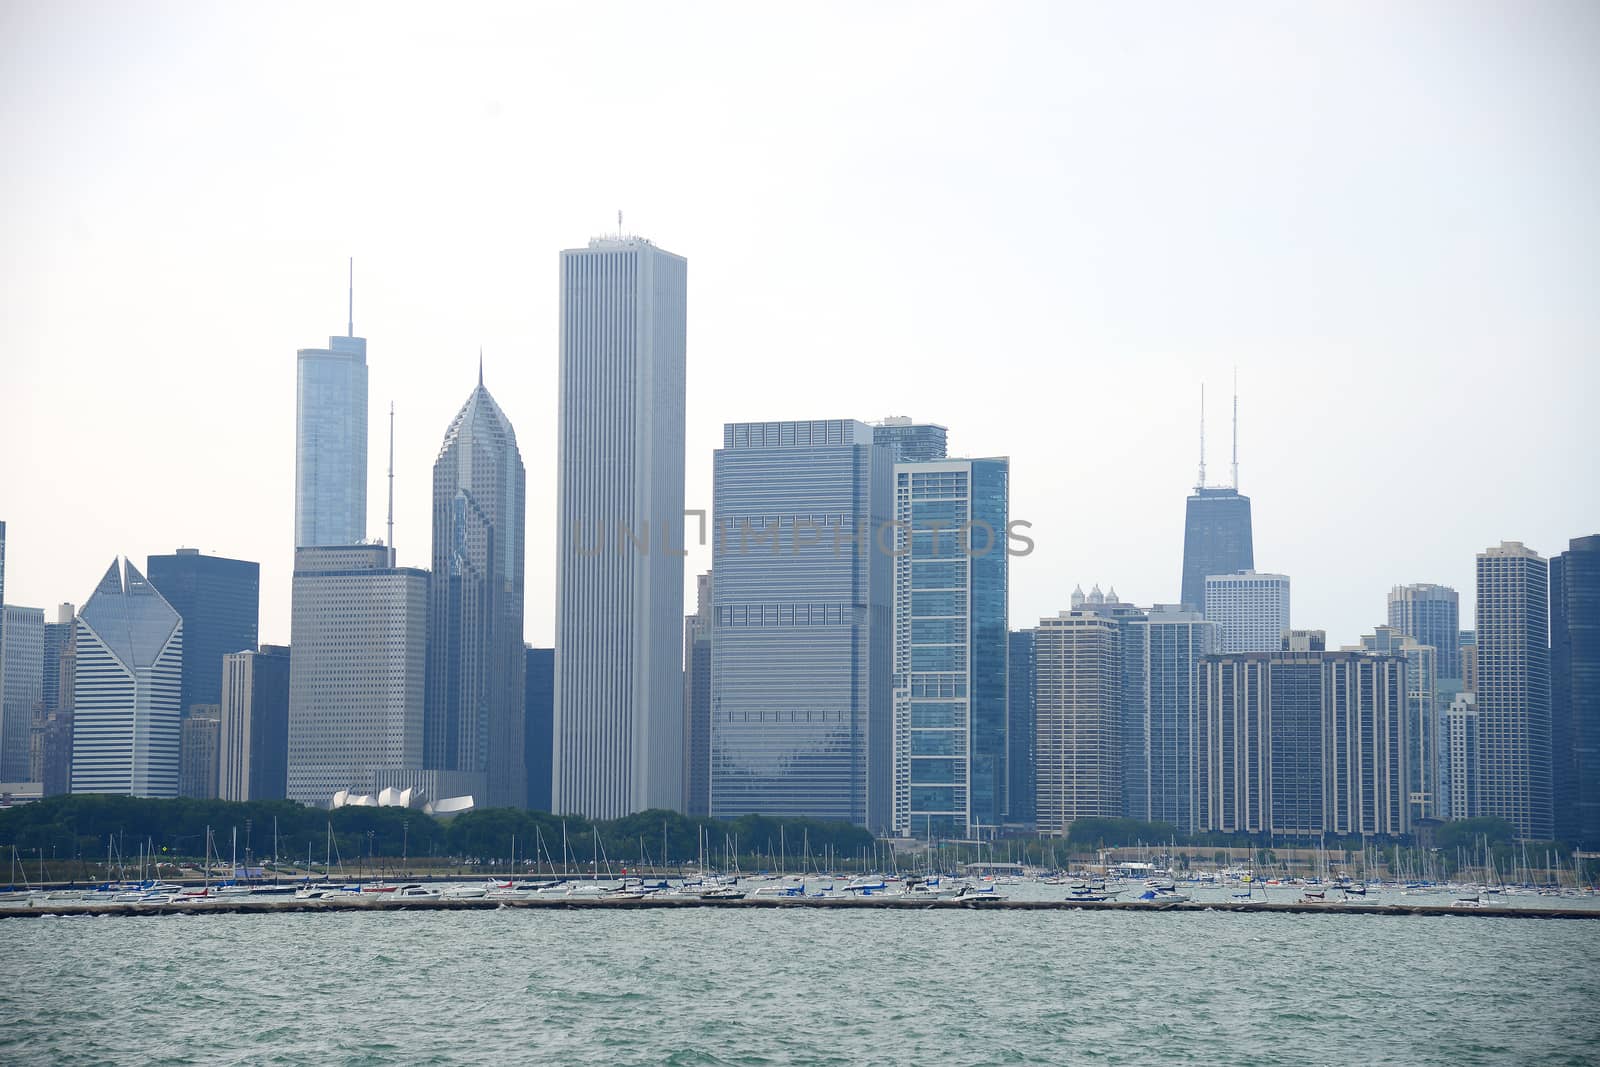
(391,484)
(619,222)
(480,366)
(1236,428)
(350,326)
(1201,484)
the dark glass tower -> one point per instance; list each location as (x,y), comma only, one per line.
(476,659)
(539,697)
(1216,540)
(1575,690)
(1019,728)
(219,600)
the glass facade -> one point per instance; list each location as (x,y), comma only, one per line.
(330,444)
(1160,755)
(950,647)
(1431,615)
(1019,729)
(1216,540)
(1575,690)
(538,704)
(911,442)
(801,622)
(219,600)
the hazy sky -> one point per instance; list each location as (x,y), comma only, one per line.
(1041,225)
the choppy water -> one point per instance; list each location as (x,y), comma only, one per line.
(800,986)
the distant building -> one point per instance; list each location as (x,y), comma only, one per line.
(1430,614)
(1164,726)
(358,637)
(21,674)
(1575,690)
(801,698)
(1020,728)
(1461,742)
(1422,716)
(219,600)
(253,739)
(1469,660)
(537,738)
(1216,540)
(697,701)
(197,752)
(53,732)
(1251,610)
(619,603)
(1304,743)
(57,639)
(910,442)
(1304,641)
(126,689)
(1513,690)
(950,635)
(475,716)
(330,443)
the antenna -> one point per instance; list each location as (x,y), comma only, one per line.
(619,222)
(1201,484)
(480,366)
(350,325)
(1236,427)
(391,484)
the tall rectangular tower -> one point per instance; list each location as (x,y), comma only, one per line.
(1217,539)
(1020,728)
(1251,610)
(1430,614)
(619,561)
(1575,690)
(1167,726)
(802,617)
(21,686)
(330,443)
(1078,719)
(219,600)
(253,743)
(950,647)
(1513,696)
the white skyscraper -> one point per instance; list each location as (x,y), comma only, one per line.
(330,442)
(359,633)
(125,726)
(1251,610)
(619,564)
(1513,694)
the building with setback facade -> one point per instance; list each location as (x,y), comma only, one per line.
(359,633)
(619,564)
(802,607)
(1513,690)
(1251,610)
(330,443)
(219,600)
(1575,691)
(126,689)
(950,639)
(911,442)
(253,739)
(476,656)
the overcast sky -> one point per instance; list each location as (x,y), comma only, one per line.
(1041,225)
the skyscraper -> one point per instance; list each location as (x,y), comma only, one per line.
(330,442)
(1216,540)
(1422,716)
(1165,726)
(219,601)
(198,750)
(1077,705)
(619,563)
(950,647)
(697,701)
(1513,696)
(476,656)
(1575,690)
(1251,610)
(801,704)
(910,442)
(1020,728)
(1431,614)
(253,741)
(358,631)
(539,694)
(1463,799)
(129,676)
(57,638)
(21,686)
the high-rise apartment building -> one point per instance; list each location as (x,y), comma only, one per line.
(1513,691)
(1159,765)
(1303,743)
(697,701)
(219,600)
(1422,715)
(1078,704)
(21,687)
(198,751)
(1251,610)
(1462,800)
(358,634)
(1575,690)
(126,689)
(950,647)
(330,443)
(539,694)
(911,442)
(253,739)
(619,565)
(802,606)
(1020,738)
(1430,614)
(476,655)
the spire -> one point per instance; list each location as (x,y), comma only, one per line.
(350,324)
(480,367)
(1236,427)
(1201,484)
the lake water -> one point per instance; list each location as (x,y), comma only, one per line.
(782,986)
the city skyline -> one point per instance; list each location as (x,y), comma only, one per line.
(1431,305)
